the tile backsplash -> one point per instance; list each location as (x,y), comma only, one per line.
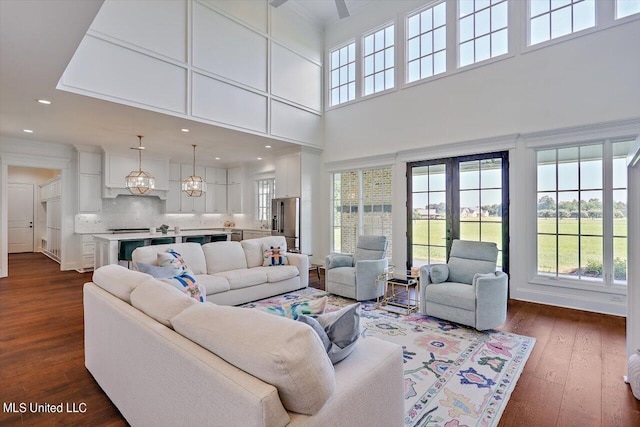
(145,212)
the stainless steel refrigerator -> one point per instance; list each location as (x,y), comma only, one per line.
(285,220)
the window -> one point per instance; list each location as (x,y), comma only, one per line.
(582,212)
(379,60)
(361,204)
(550,19)
(626,8)
(482,30)
(265,192)
(343,74)
(427,43)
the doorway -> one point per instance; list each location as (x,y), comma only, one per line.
(464,198)
(20,218)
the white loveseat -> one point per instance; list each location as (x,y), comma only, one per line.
(232,272)
(158,377)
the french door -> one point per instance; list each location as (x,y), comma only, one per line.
(457,198)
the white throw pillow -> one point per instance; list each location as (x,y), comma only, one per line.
(277,350)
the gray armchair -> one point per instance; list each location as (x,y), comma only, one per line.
(468,289)
(354,276)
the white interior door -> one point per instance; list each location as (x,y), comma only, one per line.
(20,218)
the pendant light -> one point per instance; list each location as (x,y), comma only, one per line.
(140,182)
(194,185)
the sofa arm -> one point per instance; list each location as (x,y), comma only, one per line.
(425,280)
(367,271)
(491,301)
(302,262)
(330,257)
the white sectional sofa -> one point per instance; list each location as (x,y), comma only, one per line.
(232,272)
(158,377)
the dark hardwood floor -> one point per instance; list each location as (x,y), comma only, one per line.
(573,377)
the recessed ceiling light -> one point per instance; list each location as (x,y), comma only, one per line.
(267,146)
(44,101)
(184,130)
(217,158)
(27,130)
(259,158)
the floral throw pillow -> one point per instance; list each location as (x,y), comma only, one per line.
(295,309)
(186,282)
(173,259)
(273,256)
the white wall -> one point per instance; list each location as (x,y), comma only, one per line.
(588,86)
(242,65)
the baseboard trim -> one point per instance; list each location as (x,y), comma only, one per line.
(575,302)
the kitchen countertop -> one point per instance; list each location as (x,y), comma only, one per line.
(147,235)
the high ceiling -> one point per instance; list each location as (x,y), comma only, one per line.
(38,39)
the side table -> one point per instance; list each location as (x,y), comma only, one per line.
(407,282)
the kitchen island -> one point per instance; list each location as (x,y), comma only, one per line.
(107,245)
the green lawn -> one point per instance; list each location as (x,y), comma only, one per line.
(433,233)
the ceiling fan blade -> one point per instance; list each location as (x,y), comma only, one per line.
(276,3)
(343,12)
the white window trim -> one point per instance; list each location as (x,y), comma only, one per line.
(405,52)
(395,60)
(605,19)
(327,85)
(582,135)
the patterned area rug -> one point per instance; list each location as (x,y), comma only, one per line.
(454,376)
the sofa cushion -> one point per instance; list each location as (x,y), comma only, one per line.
(273,256)
(187,283)
(253,248)
(343,275)
(191,253)
(453,294)
(279,351)
(155,270)
(118,280)
(341,328)
(224,256)
(280,273)
(336,261)
(243,278)
(439,273)
(213,284)
(160,300)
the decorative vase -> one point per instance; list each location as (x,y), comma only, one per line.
(633,374)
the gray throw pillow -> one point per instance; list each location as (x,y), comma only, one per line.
(479,275)
(155,270)
(341,261)
(342,329)
(439,273)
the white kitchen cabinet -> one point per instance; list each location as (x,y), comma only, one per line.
(234,198)
(51,189)
(118,166)
(88,250)
(173,197)
(288,176)
(216,175)
(216,198)
(89,182)
(234,175)
(254,234)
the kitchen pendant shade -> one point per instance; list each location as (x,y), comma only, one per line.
(194,185)
(139,182)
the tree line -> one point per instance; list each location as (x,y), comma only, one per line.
(591,208)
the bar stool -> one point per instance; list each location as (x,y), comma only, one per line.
(218,237)
(126,250)
(195,239)
(162,241)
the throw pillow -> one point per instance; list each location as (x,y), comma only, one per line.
(342,329)
(340,261)
(273,255)
(171,258)
(155,270)
(439,273)
(480,275)
(295,309)
(186,282)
